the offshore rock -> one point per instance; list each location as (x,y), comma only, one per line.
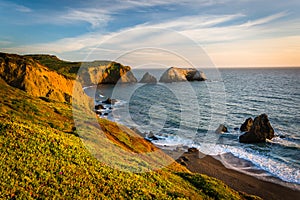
(246,126)
(148,78)
(175,74)
(259,132)
(110,101)
(221,129)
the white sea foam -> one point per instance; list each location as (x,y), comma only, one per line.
(284,142)
(274,167)
(87,87)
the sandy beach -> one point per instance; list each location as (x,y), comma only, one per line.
(239,181)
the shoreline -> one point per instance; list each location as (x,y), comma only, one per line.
(197,162)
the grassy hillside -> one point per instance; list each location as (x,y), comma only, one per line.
(68,69)
(41,157)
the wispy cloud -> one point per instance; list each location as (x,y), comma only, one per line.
(195,22)
(143,3)
(96,17)
(265,19)
(207,30)
(202,29)
(14,6)
(99,13)
(23,9)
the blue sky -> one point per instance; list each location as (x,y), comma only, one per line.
(232,33)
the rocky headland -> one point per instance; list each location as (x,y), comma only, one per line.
(31,76)
(48,77)
(111,73)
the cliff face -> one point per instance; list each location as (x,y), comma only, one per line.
(115,72)
(175,74)
(47,76)
(37,80)
(110,73)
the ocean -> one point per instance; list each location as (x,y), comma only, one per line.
(186,114)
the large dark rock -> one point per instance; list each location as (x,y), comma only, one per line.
(98,112)
(247,125)
(194,151)
(259,131)
(99,107)
(221,129)
(148,78)
(151,136)
(109,101)
(175,74)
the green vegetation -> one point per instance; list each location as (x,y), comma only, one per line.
(114,67)
(65,68)
(68,69)
(213,187)
(41,156)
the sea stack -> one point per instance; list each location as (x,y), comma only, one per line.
(259,131)
(148,78)
(246,126)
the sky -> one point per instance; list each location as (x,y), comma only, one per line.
(225,33)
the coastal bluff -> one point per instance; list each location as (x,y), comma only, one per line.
(93,73)
(176,74)
(37,80)
(49,77)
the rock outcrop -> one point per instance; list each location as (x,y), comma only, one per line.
(88,73)
(32,77)
(116,72)
(99,107)
(221,129)
(48,77)
(111,73)
(259,131)
(109,101)
(175,74)
(151,136)
(148,78)
(246,126)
